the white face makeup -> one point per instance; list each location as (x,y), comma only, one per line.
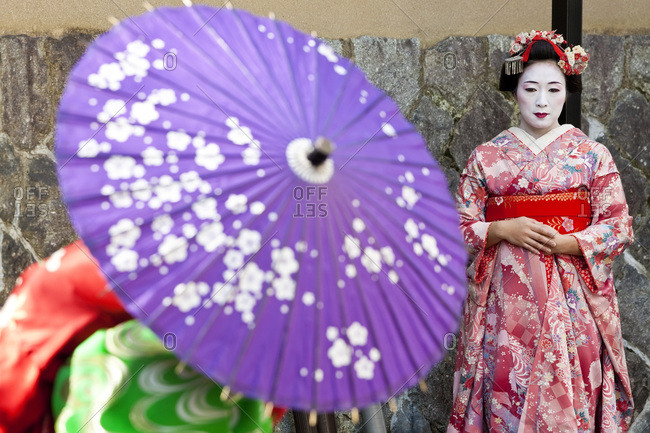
(541,93)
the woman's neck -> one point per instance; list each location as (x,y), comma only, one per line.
(536,132)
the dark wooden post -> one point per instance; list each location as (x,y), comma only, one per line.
(325,423)
(301,421)
(566,18)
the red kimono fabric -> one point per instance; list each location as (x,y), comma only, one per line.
(55,305)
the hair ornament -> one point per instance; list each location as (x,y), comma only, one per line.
(573,59)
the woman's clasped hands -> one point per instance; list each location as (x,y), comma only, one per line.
(532,235)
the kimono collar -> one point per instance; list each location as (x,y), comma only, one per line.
(537,145)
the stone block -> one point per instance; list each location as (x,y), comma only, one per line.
(434,123)
(27,111)
(60,55)
(629,124)
(286,424)
(489,113)
(435,404)
(393,65)
(638,61)
(11,175)
(15,259)
(635,184)
(336,44)
(631,287)
(639,382)
(408,418)
(641,423)
(455,68)
(640,249)
(43,218)
(602,78)
(344,422)
(498,51)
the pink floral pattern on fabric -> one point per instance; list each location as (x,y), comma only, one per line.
(540,346)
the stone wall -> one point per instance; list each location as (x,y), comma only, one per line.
(449,91)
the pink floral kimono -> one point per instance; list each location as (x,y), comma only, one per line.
(540,345)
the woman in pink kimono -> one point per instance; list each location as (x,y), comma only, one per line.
(543,216)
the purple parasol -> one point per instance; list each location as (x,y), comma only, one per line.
(259,205)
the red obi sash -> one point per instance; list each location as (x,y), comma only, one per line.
(566,212)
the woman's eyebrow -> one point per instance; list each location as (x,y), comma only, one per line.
(535,82)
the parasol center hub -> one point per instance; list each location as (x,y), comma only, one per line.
(322,148)
(309,160)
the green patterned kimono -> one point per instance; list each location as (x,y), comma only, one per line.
(123,380)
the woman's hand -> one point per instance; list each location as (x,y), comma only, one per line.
(566,244)
(524,232)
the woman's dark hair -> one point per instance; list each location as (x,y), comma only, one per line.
(541,50)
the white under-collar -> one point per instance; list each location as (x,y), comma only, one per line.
(537,145)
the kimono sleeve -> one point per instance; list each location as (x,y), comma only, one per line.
(611,224)
(471,201)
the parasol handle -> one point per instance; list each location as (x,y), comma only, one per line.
(322,148)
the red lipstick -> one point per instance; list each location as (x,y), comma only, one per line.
(541,115)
